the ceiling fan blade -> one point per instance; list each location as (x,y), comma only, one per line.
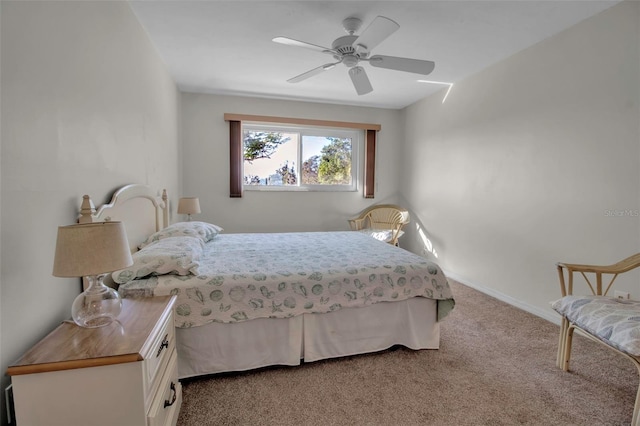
(360,80)
(297,43)
(416,66)
(311,73)
(378,30)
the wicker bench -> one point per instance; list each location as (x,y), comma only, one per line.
(610,321)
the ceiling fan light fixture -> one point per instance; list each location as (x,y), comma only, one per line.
(350,61)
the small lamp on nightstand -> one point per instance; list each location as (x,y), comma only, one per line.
(92,250)
(189,206)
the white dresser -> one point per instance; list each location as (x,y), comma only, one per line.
(121,374)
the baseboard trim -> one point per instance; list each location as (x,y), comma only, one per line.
(549,316)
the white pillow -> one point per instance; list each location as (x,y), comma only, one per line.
(203,230)
(173,255)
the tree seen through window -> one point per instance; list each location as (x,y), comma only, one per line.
(296,159)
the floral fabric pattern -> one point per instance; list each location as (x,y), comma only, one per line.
(614,321)
(280,275)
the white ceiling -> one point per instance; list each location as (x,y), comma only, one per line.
(225,47)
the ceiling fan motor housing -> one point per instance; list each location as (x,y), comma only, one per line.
(347,53)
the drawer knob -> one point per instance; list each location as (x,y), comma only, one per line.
(165,344)
(168,403)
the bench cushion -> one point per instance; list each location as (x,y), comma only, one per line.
(614,321)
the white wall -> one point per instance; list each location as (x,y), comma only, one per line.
(205,138)
(513,173)
(517,169)
(87,106)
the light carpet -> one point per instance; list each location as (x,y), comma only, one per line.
(495,366)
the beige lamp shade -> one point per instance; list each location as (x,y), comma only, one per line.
(189,205)
(91,249)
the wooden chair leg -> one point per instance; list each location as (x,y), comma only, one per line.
(567,348)
(636,408)
(562,342)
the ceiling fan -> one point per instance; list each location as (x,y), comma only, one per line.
(351,49)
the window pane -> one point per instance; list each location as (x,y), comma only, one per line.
(270,158)
(326,160)
(299,159)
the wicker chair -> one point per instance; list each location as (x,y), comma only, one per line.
(602,309)
(383,222)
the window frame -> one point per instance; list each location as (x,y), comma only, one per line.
(236,147)
(357,145)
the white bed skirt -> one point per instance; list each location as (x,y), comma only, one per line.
(218,348)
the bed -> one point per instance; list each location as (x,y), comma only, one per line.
(253,300)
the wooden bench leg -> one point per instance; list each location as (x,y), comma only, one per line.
(567,347)
(564,357)
(636,408)
(562,342)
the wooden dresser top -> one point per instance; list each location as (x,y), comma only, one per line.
(128,339)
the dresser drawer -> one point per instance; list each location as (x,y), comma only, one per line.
(165,406)
(162,348)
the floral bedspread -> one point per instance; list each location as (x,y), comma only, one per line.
(280,275)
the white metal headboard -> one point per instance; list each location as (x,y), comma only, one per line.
(139,207)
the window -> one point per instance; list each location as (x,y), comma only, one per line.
(295,158)
(284,125)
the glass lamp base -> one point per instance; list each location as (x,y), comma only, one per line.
(97,306)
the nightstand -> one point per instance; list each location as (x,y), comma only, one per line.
(125,373)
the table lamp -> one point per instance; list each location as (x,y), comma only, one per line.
(92,250)
(189,206)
